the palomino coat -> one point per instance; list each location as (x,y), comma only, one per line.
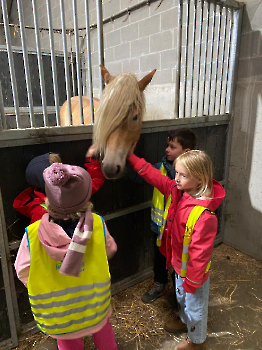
(201,246)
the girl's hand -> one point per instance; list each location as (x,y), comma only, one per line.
(90,152)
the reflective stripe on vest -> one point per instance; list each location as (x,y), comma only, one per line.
(158,203)
(192,219)
(64,304)
(160,235)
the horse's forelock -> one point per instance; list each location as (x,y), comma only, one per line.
(121,93)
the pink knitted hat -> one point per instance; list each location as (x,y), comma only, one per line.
(68,188)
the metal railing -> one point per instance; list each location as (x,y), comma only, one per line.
(207,35)
(207,39)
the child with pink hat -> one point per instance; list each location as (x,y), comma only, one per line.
(63,261)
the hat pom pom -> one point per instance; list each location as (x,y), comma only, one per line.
(57,175)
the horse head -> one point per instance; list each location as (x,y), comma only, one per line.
(118,119)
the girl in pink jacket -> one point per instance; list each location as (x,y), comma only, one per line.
(63,261)
(193,186)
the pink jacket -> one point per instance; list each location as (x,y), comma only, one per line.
(56,241)
(201,246)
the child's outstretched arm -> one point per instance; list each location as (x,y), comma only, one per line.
(151,175)
(93,167)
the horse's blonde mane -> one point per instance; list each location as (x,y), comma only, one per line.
(118,96)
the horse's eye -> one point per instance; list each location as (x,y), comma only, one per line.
(135,117)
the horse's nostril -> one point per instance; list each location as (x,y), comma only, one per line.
(118,168)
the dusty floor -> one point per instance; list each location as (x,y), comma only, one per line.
(235,311)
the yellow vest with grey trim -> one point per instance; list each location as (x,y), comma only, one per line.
(64,304)
(158,203)
(191,221)
(160,235)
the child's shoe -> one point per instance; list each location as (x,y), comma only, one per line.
(156,291)
(188,345)
(175,325)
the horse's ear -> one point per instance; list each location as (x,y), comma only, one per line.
(105,74)
(142,84)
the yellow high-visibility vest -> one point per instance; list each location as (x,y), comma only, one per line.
(160,235)
(158,203)
(191,221)
(63,304)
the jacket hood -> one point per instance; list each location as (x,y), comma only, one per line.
(35,169)
(213,203)
(53,238)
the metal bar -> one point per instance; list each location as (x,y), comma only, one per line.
(66,62)
(13,138)
(89,61)
(199,57)
(72,66)
(197,62)
(78,71)
(40,65)
(215,60)
(226,63)
(183,68)
(26,64)
(220,59)
(178,67)
(191,42)
(11,62)
(100,39)
(233,60)
(235,46)
(53,60)
(203,56)
(126,211)
(2,110)
(12,306)
(209,59)
(25,110)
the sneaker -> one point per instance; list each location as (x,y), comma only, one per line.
(188,345)
(175,325)
(156,291)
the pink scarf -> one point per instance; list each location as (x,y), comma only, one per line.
(74,257)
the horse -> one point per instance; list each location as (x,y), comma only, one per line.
(75,111)
(118,119)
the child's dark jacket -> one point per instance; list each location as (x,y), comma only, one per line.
(201,246)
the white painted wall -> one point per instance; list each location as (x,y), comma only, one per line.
(244,197)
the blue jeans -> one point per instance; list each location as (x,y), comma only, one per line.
(193,310)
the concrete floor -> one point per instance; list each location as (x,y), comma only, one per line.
(235,318)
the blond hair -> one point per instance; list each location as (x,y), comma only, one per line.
(200,167)
(54,158)
(74,216)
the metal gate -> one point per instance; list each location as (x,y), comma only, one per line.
(206,66)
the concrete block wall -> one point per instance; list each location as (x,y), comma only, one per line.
(137,43)
(244,197)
